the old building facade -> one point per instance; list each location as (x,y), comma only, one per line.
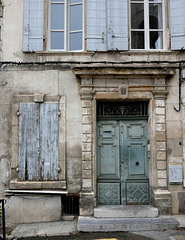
(92,106)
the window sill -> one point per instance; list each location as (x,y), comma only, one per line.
(14,184)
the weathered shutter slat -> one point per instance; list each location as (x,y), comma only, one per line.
(28,142)
(49,140)
(117,24)
(33,25)
(177,23)
(96,25)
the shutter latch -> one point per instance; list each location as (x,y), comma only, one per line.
(103,37)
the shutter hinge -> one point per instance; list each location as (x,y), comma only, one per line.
(59,113)
(17,169)
(18,113)
(58,169)
(103,37)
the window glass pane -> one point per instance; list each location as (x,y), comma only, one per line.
(57,40)
(155,0)
(156,40)
(137,16)
(57,0)
(75,1)
(137,40)
(155,12)
(76,41)
(57,16)
(76,17)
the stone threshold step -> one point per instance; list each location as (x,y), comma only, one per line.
(91,224)
(125,211)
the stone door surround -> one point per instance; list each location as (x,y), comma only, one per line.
(140,83)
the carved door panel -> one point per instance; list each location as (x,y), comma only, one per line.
(134,162)
(108,163)
(122,162)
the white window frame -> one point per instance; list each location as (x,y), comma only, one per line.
(146,25)
(66,26)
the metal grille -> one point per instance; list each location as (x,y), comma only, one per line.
(122,109)
(70,204)
(2,220)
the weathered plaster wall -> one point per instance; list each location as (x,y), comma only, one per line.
(60,80)
(174,122)
(49,82)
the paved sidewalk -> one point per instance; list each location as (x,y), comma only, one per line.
(47,229)
(66,228)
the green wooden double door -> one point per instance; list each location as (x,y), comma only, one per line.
(122,162)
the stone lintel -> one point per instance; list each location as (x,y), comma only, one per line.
(104,70)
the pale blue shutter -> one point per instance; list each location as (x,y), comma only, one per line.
(28,161)
(96,25)
(117,24)
(33,25)
(49,140)
(177,22)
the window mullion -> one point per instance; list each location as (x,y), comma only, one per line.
(163,20)
(66,24)
(146,19)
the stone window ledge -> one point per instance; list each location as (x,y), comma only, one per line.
(38,185)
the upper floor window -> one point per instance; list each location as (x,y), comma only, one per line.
(106,22)
(66,25)
(146,24)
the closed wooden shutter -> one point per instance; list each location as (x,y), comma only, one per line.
(117,24)
(107,25)
(49,140)
(96,25)
(38,141)
(33,25)
(177,24)
(29,166)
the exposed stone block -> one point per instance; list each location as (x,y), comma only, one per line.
(87,138)
(87,147)
(160,136)
(161,174)
(181,198)
(86,119)
(86,156)
(86,111)
(162,182)
(86,128)
(160,111)
(86,205)
(160,119)
(162,200)
(108,95)
(86,165)
(39,98)
(159,103)
(160,127)
(86,174)
(86,183)
(86,104)
(161,155)
(161,146)
(161,165)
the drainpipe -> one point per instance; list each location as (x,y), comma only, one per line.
(180,85)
